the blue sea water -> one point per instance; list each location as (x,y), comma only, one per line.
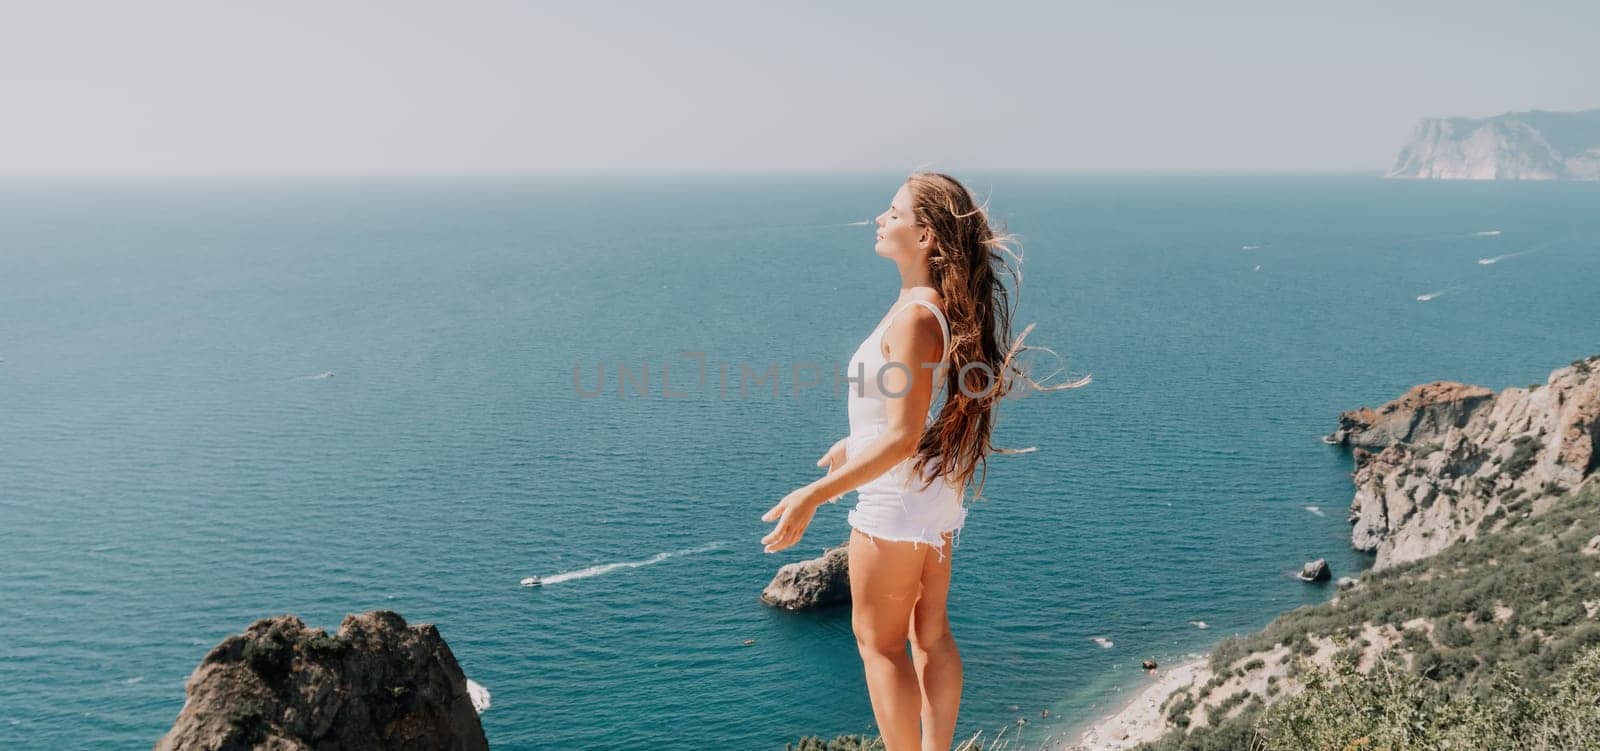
(176,460)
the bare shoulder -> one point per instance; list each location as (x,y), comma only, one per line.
(917,330)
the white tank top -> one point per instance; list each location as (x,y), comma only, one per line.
(894,505)
(868,404)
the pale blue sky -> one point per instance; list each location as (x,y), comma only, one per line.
(297,86)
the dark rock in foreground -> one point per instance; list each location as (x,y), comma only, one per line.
(376,684)
(811,584)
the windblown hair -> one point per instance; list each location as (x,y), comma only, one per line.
(967,263)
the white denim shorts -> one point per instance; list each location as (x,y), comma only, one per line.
(892,507)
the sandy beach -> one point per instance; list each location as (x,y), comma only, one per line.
(1140,720)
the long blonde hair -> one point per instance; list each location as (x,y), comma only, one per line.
(966,264)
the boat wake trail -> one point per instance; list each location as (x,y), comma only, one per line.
(1426,296)
(606,568)
(1497,259)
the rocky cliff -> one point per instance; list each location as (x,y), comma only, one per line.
(1447,461)
(1522,599)
(1533,145)
(1484,513)
(376,684)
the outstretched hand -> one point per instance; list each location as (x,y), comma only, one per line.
(795,511)
(793,515)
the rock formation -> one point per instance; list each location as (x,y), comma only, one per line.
(375,684)
(1533,145)
(1448,460)
(810,584)
(1315,571)
(1425,411)
(1444,463)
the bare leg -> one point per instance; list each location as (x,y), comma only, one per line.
(884,580)
(934,653)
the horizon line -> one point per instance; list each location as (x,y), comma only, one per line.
(672,172)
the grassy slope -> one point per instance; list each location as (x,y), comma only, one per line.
(1519,598)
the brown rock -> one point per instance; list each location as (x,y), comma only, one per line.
(1447,461)
(1423,413)
(376,684)
(811,584)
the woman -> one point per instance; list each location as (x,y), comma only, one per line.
(950,325)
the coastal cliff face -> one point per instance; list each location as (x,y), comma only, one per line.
(1523,599)
(376,683)
(1448,461)
(1484,512)
(1533,145)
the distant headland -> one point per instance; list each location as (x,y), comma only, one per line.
(1536,145)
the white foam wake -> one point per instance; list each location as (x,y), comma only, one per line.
(316,377)
(1497,259)
(605,568)
(1426,296)
(1315,510)
(479,694)
(1487,233)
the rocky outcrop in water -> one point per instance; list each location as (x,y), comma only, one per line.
(1447,461)
(1533,145)
(811,584)
(1315,571)
(375,684)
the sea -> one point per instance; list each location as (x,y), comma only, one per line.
(230,398)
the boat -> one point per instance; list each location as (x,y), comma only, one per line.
(532,581)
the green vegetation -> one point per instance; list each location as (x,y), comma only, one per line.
(245,716)
(1512,652)
(1178,713)
(875,743)
(1226,653)
(323,643)
(1523,451)
(245,712)
(840,743)
(1390,707)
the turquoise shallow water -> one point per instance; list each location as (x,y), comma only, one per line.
(171,466)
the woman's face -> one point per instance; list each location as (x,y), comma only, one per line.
(898,233)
